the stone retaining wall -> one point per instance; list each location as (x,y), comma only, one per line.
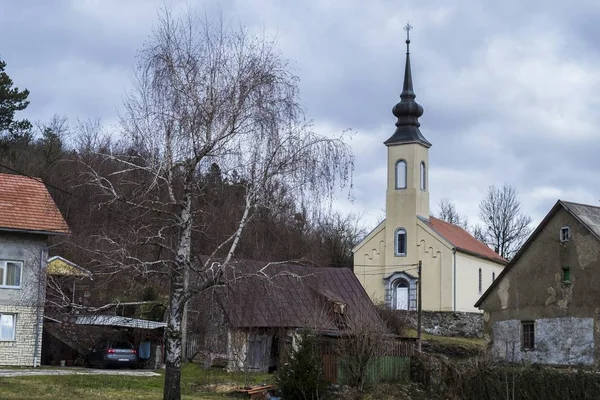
(446,323)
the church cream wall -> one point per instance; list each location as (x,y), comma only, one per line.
(467,282)
(371,266)
(369,261)
(437,274)
(403,205)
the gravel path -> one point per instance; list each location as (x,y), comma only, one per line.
(74,371)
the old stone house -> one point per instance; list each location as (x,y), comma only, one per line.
(457,268)
(543,307)
(28,217)
(251,321)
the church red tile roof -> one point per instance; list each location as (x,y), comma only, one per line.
(462,240)
(26,205)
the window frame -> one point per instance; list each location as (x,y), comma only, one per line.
(4,265)
(14,328)
(423,176)
(527,335)
(565,234)
(401,161)
(397,252)
(566,274)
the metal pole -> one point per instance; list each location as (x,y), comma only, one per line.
(419,309)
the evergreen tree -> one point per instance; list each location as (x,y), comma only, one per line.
(302,378)
(11,101)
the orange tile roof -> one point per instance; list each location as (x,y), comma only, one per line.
(463,240)
(26,205)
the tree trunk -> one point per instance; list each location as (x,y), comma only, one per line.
(178,299)
(172,390)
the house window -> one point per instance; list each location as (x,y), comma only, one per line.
(566,274)
(480,281)
(401,295)
(565,234)
(400,174)
(528,339)
(10,274)
(400,242)
(493,276)
(423,176)
(7,327)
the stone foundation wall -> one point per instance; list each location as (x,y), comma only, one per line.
(446,323)
(20,351)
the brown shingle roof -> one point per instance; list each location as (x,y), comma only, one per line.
(26,205)
(293,296)
(463,240)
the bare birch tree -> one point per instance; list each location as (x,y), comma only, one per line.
(205,92)
(506,226)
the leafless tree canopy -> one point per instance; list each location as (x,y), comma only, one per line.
(206,94)
(447,212)
(506,226)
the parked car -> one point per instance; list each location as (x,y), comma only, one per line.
(112,353)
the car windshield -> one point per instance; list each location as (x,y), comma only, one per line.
(121,345)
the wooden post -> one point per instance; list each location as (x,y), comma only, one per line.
(419,308)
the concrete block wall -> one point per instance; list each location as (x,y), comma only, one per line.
(20,352)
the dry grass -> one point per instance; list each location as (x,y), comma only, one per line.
(197,384)
(448,340)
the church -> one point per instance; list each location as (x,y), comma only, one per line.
(456,267)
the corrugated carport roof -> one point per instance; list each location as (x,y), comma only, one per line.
(115,320)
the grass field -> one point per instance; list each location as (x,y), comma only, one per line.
(196,384)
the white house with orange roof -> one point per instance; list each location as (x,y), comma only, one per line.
(28,217)
(456,267)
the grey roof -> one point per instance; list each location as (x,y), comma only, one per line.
(587,214)
(115,320)
(408,112)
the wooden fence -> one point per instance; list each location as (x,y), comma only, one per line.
(392,364)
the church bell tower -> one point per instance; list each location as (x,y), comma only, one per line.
(407,196)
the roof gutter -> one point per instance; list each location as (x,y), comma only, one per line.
(34,231)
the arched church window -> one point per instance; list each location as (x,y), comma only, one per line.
(493,276)
(423,176)
(401,295)
(400,242)
(400,174)
(480,281)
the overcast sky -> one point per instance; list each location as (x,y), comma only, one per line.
(511,89)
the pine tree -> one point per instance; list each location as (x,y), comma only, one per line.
(11,101)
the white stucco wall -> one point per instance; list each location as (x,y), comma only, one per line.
(467,279)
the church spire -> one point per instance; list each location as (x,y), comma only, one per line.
(407,110)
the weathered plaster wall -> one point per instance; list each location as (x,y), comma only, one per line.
(563,341)
(533,289)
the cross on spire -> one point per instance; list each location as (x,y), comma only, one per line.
(408,27)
